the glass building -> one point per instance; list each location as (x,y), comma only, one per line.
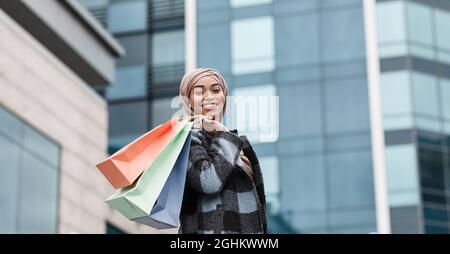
(147,77)
(318,159)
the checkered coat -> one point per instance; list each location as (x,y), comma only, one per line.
(219,197)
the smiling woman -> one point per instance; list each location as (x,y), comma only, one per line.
(224,190)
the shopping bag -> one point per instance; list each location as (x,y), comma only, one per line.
(166,212)
(137,200)
(126,165)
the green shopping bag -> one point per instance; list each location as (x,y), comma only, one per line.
(138,199)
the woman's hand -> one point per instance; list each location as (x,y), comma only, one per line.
(207,124)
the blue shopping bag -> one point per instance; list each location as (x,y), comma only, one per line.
(166,211)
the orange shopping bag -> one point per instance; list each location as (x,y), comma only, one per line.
(126,165)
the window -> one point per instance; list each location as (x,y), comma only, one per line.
(127,16)
(254,112)
(303,185)
(246,3)
(269,167)
(167,57)
(130,83)
(391,28)
(401,168)
(94,3)
(420,23)
(252,45)
(442,20)
(162,110)
(28,178)
(293,47)
(347,106)
(168,48)
(425,94)
(127,122)
(342,35)
(445,98)
(351,179)
(136,47)
(306,110)
(431,170)
(396,92)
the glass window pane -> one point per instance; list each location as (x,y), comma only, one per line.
(442,20)
(391,21)
(443,56)
(136,47)
(293,47)
(445,98)
(269,167)
(351,179)
(246,3)
(214,47)
(353,218)
(420,23)
(38,201)
(303,183)
(128,118)
(401,168)
(162,110)
(10,126)
(346,105)
(308,222)
(342,30)
(130,82)
(41,146)
(340,3)
(431,169)
(254,112)
(94,3)
(252,45)
(9,179)
(425,94)
(396,92)
(302,102)
(127,16)
(393,50)
(168,48)
(399,122)
(421,50)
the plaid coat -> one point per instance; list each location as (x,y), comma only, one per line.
(219,196)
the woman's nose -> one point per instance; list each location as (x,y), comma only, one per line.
(207,94)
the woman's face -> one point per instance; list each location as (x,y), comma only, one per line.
(207,98)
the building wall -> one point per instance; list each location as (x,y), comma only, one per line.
(39,90)
(312,55)
(414,46)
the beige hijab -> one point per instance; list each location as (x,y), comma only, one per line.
(186,86)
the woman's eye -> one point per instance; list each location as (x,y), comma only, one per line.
(216,90)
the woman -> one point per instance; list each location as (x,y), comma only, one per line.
(224,190)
